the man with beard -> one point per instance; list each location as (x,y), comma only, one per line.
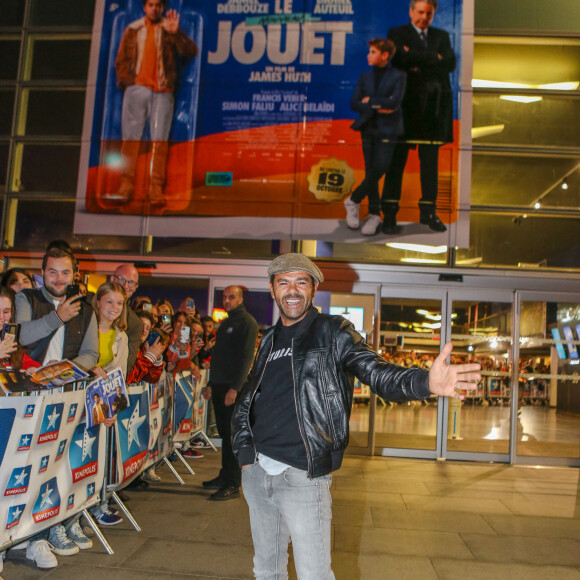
(290,425)
(54,327)
(231,360)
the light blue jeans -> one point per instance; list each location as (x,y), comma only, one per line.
(141,104)
(285,507)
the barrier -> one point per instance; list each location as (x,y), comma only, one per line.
(52,466)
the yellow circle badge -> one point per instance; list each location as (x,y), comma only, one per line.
(330,179)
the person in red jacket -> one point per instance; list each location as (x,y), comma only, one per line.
(149,363)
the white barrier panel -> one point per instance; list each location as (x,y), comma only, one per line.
(51,466)
(199,415)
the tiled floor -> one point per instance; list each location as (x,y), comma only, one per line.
(393,518)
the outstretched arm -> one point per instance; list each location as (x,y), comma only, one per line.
(448,380)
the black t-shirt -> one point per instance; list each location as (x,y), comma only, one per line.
(274,421)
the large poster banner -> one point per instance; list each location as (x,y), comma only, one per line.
(51,464)
(259,118)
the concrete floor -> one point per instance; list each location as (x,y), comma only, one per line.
(393,518)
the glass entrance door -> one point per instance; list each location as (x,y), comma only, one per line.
(481,331)
(548,402)
(410,335)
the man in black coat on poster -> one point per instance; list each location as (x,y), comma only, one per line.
(425,54)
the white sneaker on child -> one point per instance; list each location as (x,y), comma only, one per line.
(41,553)
(372,225)
(352,208)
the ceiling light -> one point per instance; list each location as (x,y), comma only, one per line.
(418,248)
(483,84)
(564,183)
(428,314)
(486,131)
(486,84)
(520,98)
(422,261)
(537,205)
(560,86)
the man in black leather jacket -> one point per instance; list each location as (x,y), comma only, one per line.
(290,424)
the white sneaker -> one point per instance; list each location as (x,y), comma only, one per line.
(371,225)
(352,208)
(151,476)
(41,553)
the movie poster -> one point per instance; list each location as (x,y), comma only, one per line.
(234,118)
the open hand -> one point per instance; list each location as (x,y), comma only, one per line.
(448,380)
(171,21)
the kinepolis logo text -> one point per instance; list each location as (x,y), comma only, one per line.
(47,504)
(133,430)
(14,514)
(19,480)
(51,423)
(83,453)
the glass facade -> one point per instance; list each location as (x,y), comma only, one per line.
(526,106)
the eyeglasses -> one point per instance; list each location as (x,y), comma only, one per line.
(128,283)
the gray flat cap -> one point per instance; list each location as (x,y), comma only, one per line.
(294,263)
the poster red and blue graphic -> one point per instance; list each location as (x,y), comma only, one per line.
(19,480)
(47,504)
(51,423)
(83,453)
(260,144)
(14,515)
(183,410)
(133,434)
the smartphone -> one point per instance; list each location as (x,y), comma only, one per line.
(153,336)
(13,329)
(185,333)
(72,290)
(166,319)
(190,304)
(147,306)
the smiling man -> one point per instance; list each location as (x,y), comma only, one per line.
(53,327)
(290,425)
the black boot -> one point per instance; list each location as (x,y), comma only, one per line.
(390,226)
(429,218)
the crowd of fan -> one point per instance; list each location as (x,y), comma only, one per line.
(141,337)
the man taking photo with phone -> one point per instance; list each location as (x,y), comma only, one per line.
(54,327)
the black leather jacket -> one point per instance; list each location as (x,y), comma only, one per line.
(327,354)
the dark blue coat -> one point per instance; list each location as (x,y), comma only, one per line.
(428,103)
(372,120)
